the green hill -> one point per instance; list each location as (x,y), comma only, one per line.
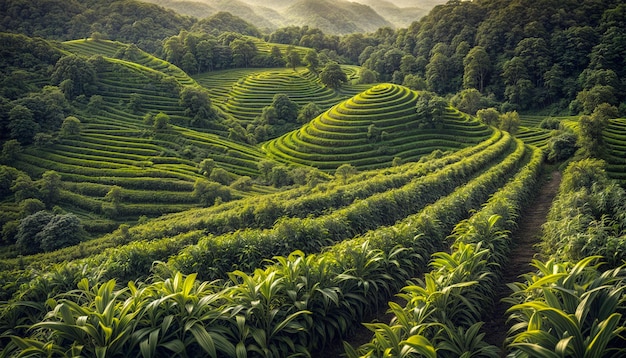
(372,128)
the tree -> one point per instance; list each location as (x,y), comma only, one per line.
(308,112)
(592,98)
(50,187)
(280,176)
(61,231)
(476,68)
(96,102)
(415,82)
(509,122)
(27,239)
(468,101)
(293,58)
(243,51)
(11,150)
(345,171)
(206,167)
(114,195)
(31,206)
(161,121)
(430,111)
(367,76)
(590,129)
(489,116)
(77,73)
(269,115)
(332,75)
(135,102)
(312,60)
(70,127)
(196,102)
(23,187)
(265,167)
(221,175)
(21,124)
(207,193)
(286,109)
(562,146)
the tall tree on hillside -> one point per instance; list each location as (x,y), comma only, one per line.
(332,75)
(243,51)
(75,74)
(293,58)
(476,68)
(590,129)
(22,125)
(312,60)
(286,109)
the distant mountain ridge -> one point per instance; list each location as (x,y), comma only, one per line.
(338,17)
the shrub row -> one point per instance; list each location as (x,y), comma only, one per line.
(443,312)
(297,305)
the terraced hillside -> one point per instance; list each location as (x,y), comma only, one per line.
(372,128)
(615,140)
(244,92)
(155,169)
(396,207)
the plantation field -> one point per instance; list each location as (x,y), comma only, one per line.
(426,214)
(244,93)
(344,133)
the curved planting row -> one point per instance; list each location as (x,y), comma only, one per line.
(572,304)
(370,129)
(443,313)
(249,95)
(156,170)
(313,299)
(615,140)
(251,212)
(90,47)
(214,256)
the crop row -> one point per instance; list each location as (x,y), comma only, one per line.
(358,217)
(572,304)
(313,299)
(443,311)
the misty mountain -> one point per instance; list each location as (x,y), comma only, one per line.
(335,16)
(331,16)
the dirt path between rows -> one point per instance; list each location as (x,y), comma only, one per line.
(524,238)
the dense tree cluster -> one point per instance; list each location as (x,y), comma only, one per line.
(127,21)
(525,54)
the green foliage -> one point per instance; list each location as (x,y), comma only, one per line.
(206,167)
(489,116)
(345,171)
(207,193)
(286,109)
(562,145)
(11,150)
(50,187)
(22,125)
(161,121)
(28,240)
(197,104)
(570,309)
(430,111)
(583,220)
(61,231)
(332,75)
(75,75)
(71,127)
(509,122)
(308,112)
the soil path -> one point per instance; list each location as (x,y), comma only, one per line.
(524,238)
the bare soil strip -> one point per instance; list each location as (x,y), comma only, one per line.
(524,240)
